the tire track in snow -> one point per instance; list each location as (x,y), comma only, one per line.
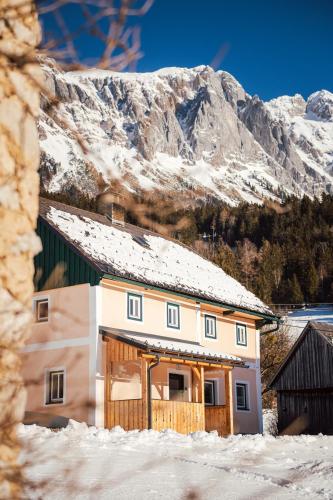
(259,477)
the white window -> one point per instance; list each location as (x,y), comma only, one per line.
(134,306)
(210,326)
(210,391)
(241,334)
(242,396)
(41,307)
(173,316)
(55,386)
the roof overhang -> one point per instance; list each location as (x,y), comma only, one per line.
(175,355)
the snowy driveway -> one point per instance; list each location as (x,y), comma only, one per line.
(86,463)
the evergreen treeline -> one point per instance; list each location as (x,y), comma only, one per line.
(283,253)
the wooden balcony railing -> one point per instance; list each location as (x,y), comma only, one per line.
(130,414)
(180,416)
(217,419)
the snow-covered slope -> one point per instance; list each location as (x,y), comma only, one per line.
(178,129)
(310,128)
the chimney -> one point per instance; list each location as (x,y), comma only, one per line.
(111,205)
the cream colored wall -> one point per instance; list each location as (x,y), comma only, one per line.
(226,333)
(114,314)
(68,314)
(75,361)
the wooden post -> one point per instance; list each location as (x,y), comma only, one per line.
(144,393)
(202,386)
(196,385)
(229,400)
(107,383)
(202,395)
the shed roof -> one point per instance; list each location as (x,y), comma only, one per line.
(325,330)
(171,346)
(141,255)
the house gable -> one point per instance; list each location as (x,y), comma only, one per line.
(59,264)
(309,364)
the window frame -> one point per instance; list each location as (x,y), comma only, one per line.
(211,317)
(140,297)
(36,303)
(245,385)
(213,384)
(240,344)
(176,306)
(48,399)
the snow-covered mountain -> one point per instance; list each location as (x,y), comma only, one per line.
(179,129)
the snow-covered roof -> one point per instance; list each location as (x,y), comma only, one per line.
(141,255)
(171,346)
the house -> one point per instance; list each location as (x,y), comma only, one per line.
(138,330)
(304,383)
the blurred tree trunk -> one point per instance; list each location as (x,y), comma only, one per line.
(19,186)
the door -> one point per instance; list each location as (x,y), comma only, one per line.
(177,390)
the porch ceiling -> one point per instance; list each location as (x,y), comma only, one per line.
(172,348)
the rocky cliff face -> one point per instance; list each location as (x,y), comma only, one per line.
(184,128)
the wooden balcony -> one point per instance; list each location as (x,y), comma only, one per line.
(183,417)
(144,411)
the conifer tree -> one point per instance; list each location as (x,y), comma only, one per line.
(296,295)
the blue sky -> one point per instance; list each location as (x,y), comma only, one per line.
(272,47)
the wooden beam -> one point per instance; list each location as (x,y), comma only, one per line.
(107,385)
(207,364)
(229,400)
(228,313)
(202,385)
(196,372)
(144,393)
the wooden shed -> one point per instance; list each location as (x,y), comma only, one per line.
(304,383)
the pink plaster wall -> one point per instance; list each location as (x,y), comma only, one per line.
(68,314)
(246,422)
(75,361)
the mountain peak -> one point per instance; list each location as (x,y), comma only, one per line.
(320,105)
(179,129)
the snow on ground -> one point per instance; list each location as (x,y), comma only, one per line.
(296,320)
(88,463)
(270,422)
